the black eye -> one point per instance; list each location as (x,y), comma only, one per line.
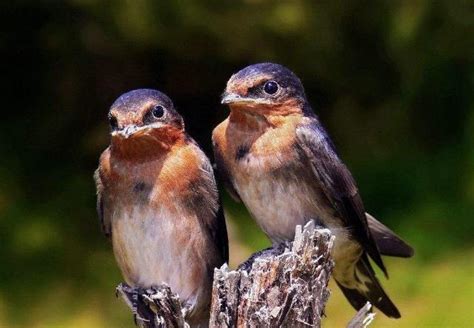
(270,87)
(158,111)
(113,122)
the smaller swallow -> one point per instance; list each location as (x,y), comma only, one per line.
(274,155)
(158,202)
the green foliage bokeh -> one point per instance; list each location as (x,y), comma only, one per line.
(393,82)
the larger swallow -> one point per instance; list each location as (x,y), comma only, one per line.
(274,155)
(158,202)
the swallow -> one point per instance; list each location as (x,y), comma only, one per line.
(273,154)
(158,202)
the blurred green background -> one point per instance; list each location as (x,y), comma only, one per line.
(393,82)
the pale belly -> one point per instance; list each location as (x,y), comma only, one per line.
(282,201)
(152,249)
(278,206)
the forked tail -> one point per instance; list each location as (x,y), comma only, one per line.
(368,288)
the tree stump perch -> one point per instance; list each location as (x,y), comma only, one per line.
(284,286)
(156,307)
(363,317)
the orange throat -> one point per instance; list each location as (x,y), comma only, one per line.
(263,116)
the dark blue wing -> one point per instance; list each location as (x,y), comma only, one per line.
(337,183)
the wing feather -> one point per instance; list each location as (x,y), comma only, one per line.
(337,183)
(104,220)
(387,241)
(213,218)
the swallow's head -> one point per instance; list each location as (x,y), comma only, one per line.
(143,112)
(144,116)
(266,88)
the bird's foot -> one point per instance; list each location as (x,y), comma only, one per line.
(132,295)
(270,251)
(186,309)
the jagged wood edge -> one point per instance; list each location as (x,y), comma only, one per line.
(156,307)
(235,305)
(363,317)
(286,285)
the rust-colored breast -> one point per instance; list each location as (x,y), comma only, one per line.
(273,137)
(167,176)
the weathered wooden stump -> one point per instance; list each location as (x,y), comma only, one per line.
(156,307)
(283,286)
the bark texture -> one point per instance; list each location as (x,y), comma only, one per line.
(283,286)
(153,307)
(363,317)
(280,287)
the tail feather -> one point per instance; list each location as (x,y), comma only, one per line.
(369,289)
(387,241)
